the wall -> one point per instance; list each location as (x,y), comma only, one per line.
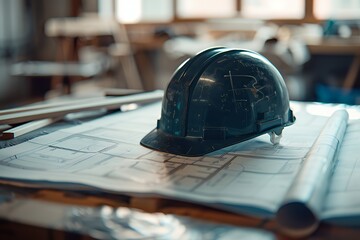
(22,38)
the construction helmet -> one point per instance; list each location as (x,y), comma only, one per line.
(217,98)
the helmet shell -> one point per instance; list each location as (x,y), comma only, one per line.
(220,97)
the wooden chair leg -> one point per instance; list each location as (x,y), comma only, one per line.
(352,73)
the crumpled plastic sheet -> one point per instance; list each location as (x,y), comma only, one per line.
(124,223)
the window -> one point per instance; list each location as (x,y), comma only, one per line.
(337,9)
(273,9)
(205,8)
(132,11)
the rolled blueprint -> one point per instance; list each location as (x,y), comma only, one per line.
(302,205)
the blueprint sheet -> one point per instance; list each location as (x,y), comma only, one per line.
(343,199)
(252,176)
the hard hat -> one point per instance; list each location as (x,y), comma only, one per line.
(220,97)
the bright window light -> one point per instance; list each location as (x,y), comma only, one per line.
(106,8)
(128,11)
(337,9)
(273,9)
(206,8)
(133,11)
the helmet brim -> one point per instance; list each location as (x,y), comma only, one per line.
(186,146)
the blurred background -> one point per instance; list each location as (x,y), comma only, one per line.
(49,48)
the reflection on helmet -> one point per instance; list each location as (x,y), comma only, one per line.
(220,97)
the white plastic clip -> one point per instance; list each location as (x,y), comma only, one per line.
(274,138)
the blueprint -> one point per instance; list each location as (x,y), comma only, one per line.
(343,198)
(252,176)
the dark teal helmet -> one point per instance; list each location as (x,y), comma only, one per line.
(220,97)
